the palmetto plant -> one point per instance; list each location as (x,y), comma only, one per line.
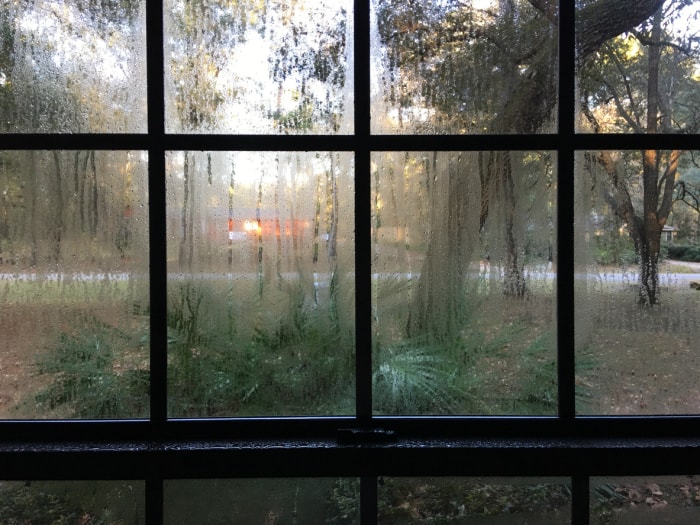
(415,377)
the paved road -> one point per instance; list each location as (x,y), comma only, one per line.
(322,279)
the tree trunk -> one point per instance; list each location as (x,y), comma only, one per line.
(34,212)
(649,268)
(332,249)
(654,216)
(56,227)
(81,192)
(94,217)
(230,218)
(514,284)
(185,254)
(440,297)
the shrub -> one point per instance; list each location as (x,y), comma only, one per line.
(415,377)
(88,378)
(538,392)
(292,361)
(614,250)
(684,252)
(22,504)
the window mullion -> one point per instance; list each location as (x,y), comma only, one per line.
(157,222)
(580,502)
(565,214)
(363,266)
(154,500)
(565,244)
(363,261)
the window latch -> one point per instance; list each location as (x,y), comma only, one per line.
(365,436)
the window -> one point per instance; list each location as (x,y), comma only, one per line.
(320,211)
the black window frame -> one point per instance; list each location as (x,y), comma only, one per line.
(364,446)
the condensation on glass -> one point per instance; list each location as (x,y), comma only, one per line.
(644,500)
(292,500)
(638,71)
(478,501)
(251,66)
(463,282)
(55,502)
(74,307)
(261,283)
(72,67)
(637,280)
(486,66)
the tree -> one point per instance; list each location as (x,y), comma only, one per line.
(647,79)
(67,70)
(207,82)
(305,65)
(480,71)
(484,70)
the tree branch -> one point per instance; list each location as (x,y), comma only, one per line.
(685,192)
(646,41)
(636,124)
(548,8)
(620,202)
(605,19)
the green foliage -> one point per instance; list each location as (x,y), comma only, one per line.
(300,119)
(682,252)
(538,366)
(499,359)
(415,377)
(586,364)
(48,503)
(87,377)
(531,360)
(614,249)
(299,364)
(207,371)
(426,43)
(20,505)
(454,500)
(344,502)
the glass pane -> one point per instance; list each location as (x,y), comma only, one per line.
(668,500)
(636,245)
(638,68)
(484,66)
(71,502)
(463,283)
(251,66)
(74,313)
(72,66)
(224,501)
(261,283)
(475,501)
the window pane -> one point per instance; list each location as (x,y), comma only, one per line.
(261,283)
(72,66)
(259,67)
(645,500)
(74,311)
(223,501)
(482,501)
(464,283)
(464,67)
(637,285)
(58,502)
(638,68)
